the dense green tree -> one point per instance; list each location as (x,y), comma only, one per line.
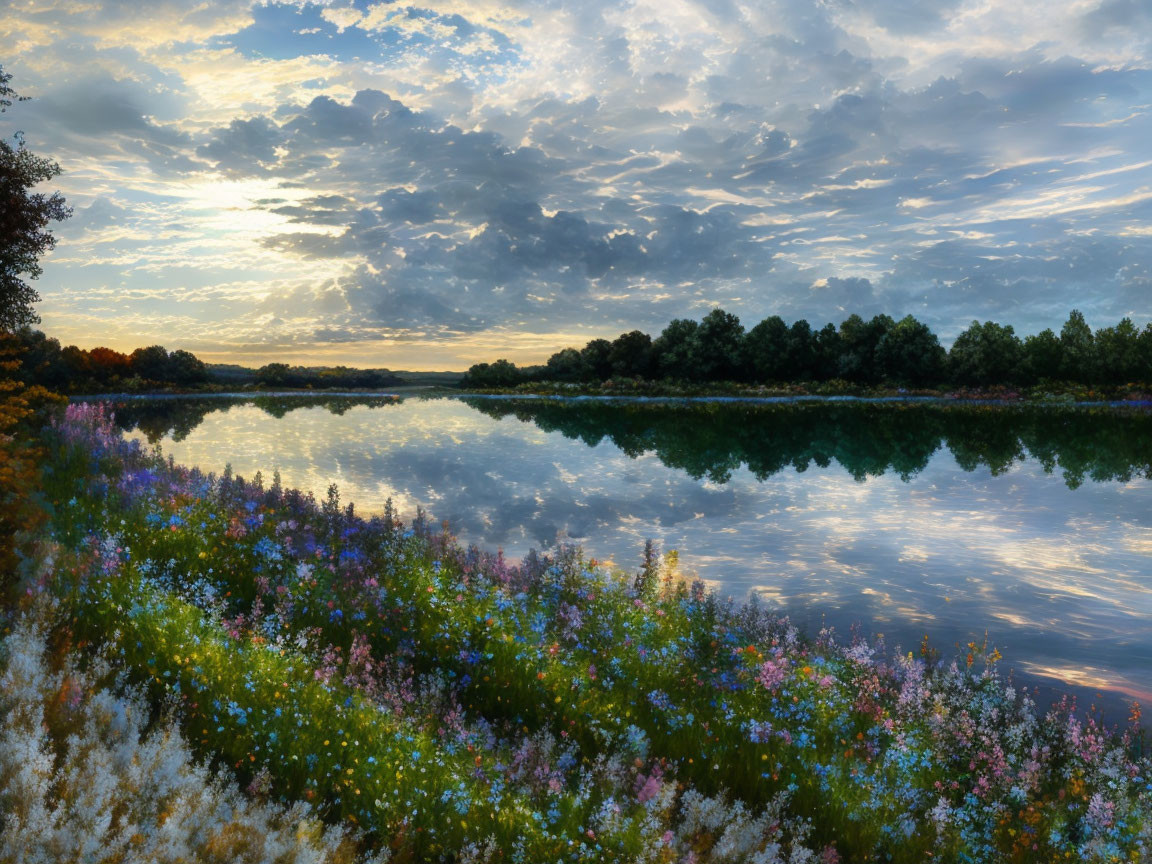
(801,354)
(854,353)
(1118,353)
(827,349)
(719,347)
(870,352)
(1043,357)
(1145,345)
(565,365)
(151,363)
(986,354)
(766,350)
(186,368)
(910,354)
(77,365)
(505,373)
(348,378)
(673,352)
(1079,349)
(858,341)
(597,359)
(188,371)
(274,375)
(502,373)
(631,355)
(41,359)
(24,220)
(24,237)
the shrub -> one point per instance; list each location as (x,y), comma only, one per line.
(85,777)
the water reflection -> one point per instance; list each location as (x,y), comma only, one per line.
(156,418)
(867,440)
(1034,525)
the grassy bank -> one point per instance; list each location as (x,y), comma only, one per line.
(1051,392)
(445,703)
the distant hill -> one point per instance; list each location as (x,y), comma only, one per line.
(440,379)
(231,373)
(234,374)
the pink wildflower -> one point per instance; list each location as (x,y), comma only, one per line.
(772,673)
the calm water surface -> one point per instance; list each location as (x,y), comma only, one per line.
(1032,526)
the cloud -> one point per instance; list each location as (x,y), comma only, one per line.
(498,170)
(909,16)
(1113,15)
(244,146)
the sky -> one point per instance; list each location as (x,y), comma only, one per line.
(429,185)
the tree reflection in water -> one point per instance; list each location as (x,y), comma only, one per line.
(868,440)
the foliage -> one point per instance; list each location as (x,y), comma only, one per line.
(631,355)
(1079,361)
(909,353)
(1043,357)
(502,373)
(985,353)
(718,347)
(766,350)
(21,410)
(75,370)
(858,342)
(597,359)
(869,353)
(283,375)
(1119,353)
(84,777)
(565,366)
(24,220)
(99,370)
(672,350)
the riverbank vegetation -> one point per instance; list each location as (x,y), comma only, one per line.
(856,356)
(68,369)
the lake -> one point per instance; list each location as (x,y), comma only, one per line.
(1033,526)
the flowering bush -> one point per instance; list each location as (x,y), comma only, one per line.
(21,410)
(451,704)
(83,777)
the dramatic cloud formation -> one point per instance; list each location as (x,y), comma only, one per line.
(434,183)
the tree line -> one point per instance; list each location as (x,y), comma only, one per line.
(303,377)
(879,351)
(68,369)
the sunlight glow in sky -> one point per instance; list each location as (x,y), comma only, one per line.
(431,184)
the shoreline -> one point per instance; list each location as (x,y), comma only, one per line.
(393,393)
(398,393)
(799,399)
